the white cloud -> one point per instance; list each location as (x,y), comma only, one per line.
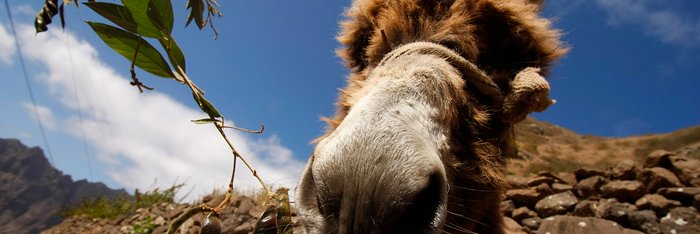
(48,120)
(7,46)
(657,18)
(143,137)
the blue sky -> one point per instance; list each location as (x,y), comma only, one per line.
(634,68)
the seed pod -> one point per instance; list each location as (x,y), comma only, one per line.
(212,225)
(277,218)
(43,18)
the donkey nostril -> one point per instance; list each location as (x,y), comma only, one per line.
(422,213)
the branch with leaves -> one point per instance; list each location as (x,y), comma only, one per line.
(135,23)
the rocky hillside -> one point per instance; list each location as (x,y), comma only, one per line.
(544,146)
(562,182)
(32,192)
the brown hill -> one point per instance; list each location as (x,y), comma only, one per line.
(32,192)
(543,146)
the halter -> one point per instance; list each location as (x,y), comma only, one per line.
(528,92)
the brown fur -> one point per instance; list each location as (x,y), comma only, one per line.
(501,37)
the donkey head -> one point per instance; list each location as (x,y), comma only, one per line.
(418,141)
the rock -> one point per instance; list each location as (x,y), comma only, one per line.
(586,208)
(523,213)
(685,195)
(657,203)
(696,203)
(658,158)
(623,190)
(687,170)
(556,204)
(611,209)
(517,182)
(244,228)
(540,180)
(507,208)
(681,220)
(559,187)
(561,177)
(568,178)
(531,224)
(624,170)
(524,197)
(658,177)
(581,225)
(244,207)
(512,227)
(159,221)
(589,186)
(583,173)
(645,221)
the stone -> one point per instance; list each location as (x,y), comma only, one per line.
(589,186)
(658,158)
(244,207)
(537,180)
(583,173)
(559,187)
(568,178)
(559,203)
(644,220)
(658,177)
(559,177)
(244,228)
(523,213)
(687,170)
(696,203)
(524,197)
(517,182)
(623,190)
(681,220)
(657,203)
(512,227)
(624,170)
(685,195)
(581,225)
(159,221)
(531,224)
(507,208)
(586,208)
(611,209)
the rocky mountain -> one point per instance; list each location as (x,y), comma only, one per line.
(32,192)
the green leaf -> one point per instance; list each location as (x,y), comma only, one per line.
(206,106)
(139,13)
(197,13)
(118,14)
(205,121)
(174,52)
(161,13)
(125,43)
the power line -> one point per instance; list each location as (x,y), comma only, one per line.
(29,85)
(77,103)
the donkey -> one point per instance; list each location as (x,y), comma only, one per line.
(418,141)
